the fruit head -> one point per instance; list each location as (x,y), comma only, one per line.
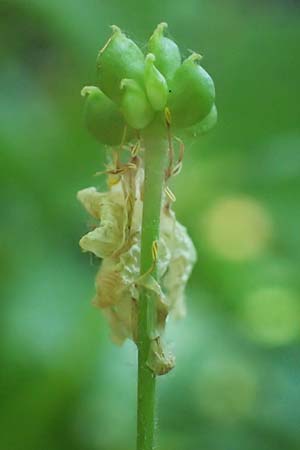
(134,90)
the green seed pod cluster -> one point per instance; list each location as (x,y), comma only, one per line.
(132,89)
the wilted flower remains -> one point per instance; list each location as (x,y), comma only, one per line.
(135,94)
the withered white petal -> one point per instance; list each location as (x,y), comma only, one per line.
(182,261)
(91,200)
(104,240)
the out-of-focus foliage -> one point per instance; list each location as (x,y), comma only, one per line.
(237,382)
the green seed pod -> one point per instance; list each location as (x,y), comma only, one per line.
(192,93)
(156,85)
(166,52)
(102,117)
(206,124)
(134,105)
(119,58)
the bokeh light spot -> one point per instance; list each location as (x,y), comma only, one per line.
(272,315)
(237,228)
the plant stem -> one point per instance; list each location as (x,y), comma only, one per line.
(155,161)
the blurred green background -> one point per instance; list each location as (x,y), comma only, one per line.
(237,381)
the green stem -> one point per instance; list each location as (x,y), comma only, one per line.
(155,161)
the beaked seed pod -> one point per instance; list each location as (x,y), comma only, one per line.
(192,93)
(102,117)
(119,58)
(156,85)
(135,106)
(166,52)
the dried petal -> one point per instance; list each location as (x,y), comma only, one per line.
(91,199)
(104,240)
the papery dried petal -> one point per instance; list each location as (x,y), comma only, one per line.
(183,258)
(91,199)
(160,361)
(104,240)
